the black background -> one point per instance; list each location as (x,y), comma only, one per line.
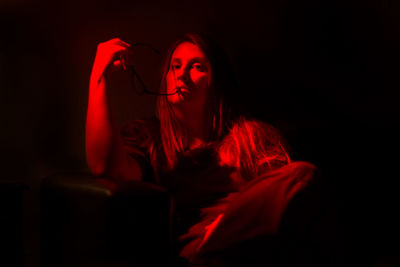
(324,72)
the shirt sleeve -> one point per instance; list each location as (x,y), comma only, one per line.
(137,137)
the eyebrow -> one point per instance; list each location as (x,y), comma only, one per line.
(178,60)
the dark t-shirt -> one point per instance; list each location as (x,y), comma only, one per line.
(200,185)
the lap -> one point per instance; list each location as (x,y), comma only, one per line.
(255,211)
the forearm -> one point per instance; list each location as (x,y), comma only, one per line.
(100,128)
(104,149)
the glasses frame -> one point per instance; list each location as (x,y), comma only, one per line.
(134,75)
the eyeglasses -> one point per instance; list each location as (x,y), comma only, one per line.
(149,60)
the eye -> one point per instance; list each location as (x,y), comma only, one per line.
(196,66)
(175,66)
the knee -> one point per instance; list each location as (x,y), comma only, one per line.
(303,168)
(303,165)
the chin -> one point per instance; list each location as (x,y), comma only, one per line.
(180,98)
(176,99)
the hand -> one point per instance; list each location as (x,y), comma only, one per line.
(108,58)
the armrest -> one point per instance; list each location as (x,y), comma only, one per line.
(11,226)
(90,220)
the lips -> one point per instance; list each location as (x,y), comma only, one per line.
(183,89)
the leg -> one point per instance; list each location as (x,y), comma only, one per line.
(257,210)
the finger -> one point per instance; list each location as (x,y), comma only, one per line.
(116,41)
(125,57)
(118,51)
(120,42)
(124,43)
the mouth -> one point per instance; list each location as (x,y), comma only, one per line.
(182,89)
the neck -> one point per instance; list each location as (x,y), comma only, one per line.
(197,126)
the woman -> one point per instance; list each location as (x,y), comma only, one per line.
(217,163)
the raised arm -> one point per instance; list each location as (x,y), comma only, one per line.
(104,148)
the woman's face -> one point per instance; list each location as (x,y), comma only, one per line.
(189,74)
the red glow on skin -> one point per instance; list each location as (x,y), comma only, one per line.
(103,143)
(108,58)
(189,70)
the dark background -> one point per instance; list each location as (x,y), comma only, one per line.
(324,72)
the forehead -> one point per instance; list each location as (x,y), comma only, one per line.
(186,51)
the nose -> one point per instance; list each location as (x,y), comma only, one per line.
(183,76)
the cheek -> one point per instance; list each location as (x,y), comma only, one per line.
(170,80)
(200,80)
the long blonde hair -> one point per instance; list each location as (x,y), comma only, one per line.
(250,145)
(220,108)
